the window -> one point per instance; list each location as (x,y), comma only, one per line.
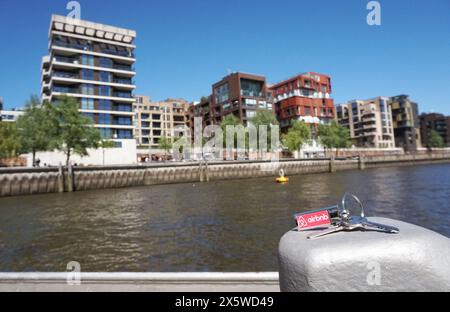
(87,104)
(106,77)
(222,93)
(87,89)
(104,119)
(104,105)
(105,133)
(251,88)
(106,62)
(89,115)
(87,60)
(87,74)
(125,121)
(105,91)
(124,134)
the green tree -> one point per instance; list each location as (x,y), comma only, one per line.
(229,120)
(334,136)
(75,132)
(265,118)
(9,142)
(435,140)
(37,128)
(297,136)
(165,143)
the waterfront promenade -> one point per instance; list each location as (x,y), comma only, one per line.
(27,181)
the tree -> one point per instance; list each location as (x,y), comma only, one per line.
(165,144)
(265,118)
(36,127)
(334,136)
(297,135)
(75,132)
(229,120)
(9,143)
(435,140)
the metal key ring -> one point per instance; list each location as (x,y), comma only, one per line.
(345,213)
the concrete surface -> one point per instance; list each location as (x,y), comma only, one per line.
(416,259)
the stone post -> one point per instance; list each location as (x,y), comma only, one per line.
(200,170)
(70,178)
(361,164)
(207,171)
(332,163)
(60,179)
(415,259)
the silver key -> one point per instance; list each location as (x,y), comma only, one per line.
(353,223)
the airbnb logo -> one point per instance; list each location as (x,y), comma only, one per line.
(312,220)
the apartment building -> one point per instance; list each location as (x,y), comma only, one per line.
(406,123)
(94,64)
(305,97)
(10,115)
(369,122)
(240,94)
(154,120)
(436,122)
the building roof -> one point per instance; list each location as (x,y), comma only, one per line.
(91,29)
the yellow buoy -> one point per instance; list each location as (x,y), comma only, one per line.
(282,178)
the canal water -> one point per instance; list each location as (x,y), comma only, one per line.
(228,226)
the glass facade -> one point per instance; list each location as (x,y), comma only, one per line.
(104,105)
(87,104)
(222,93)
(87,60)
(251,88)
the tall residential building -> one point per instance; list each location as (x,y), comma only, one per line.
(436,122)
(240,94)
(94,64)
(405,117)
(10,115)
(369,122)
(154,120)
(305,97)
(1,107)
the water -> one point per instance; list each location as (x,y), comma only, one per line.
(220,226)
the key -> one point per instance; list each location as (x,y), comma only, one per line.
(327,232)
(381,227)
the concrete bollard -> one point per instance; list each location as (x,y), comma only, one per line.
(70,186)
(332,164)
(416,259)
(361,164)
(60,179)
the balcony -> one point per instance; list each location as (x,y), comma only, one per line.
(66,75)
(123,81)
(123,67)
(83,45)
(122,95)
(64,59)
(65,90)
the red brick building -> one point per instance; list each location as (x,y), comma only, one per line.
(304,97)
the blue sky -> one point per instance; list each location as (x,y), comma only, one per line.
(184,46)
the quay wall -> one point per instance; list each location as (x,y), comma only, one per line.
(27,181)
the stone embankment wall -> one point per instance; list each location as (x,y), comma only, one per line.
(26,181)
